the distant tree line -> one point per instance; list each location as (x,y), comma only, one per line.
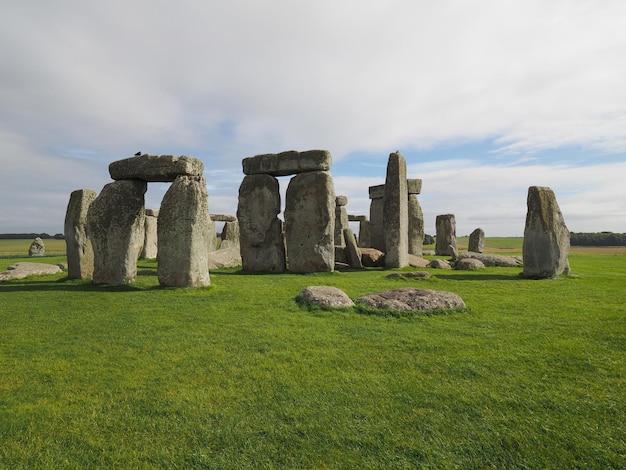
(24,236)
(597,239)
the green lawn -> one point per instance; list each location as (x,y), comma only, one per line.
(237,375)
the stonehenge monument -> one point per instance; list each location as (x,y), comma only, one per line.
(306,242)
(396,213)
(116,222)
(546,237)
(77,242)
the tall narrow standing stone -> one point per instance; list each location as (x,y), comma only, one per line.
(230,235)
(445,225)
(546,237)
(310,223)
(261,240)
(183,228)
(150,244)
(377,232)
(395,213)
(476,241)
(77,243)
(115,224)
(341,220)
(416,226)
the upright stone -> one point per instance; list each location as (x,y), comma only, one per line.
(37,247)
(150,243)
(115,224)
(77,242)
(377,233)
(416,226)
(341,219)
(546,237)
(183,229)
(395,213)
(445,244)
(352,250)
(310,223)
(261,238)
(211,236)
(476,242)
(230,235)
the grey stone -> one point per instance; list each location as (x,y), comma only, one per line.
(416,226)
(310,223)
(223,218)
(476,241)
(376,230)
(77,242)
(372,258)
(489,259)
(418,262)
(287,163)
(439,264)
(115,224)
(414,186)
(469,264)
(211,236)
(261,238)
(25,269)
(183,230)
(164,168)
(341,220)
(230,236)
(546,237)
(411,275)
(37,248)
(410,298)
(365,240)
(395,213)
(357,218)
(353,252)
(150,239)
(228,258)
(341,201)
(445,225)
(376,192)
(325,296)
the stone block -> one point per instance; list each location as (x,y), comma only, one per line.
(164,168)
(287,163)
(77,242)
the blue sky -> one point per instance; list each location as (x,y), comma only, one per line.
(484,99)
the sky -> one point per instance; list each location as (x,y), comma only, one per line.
(483,99)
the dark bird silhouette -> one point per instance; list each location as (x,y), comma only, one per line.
(137,154)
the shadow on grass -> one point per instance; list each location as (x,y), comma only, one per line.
(476,276)
(64,284)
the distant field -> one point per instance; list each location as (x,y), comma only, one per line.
(10,248)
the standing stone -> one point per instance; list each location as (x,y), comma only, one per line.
(365,240)
(476,242)
(37,248)
(115,224)
(211,236)
(546,237)
(377,233)
(183,229)
(395,213)
(310,223)
(77,243)
(341,219)
(261,238)
(445,225)
(230,235)
(352,250)
(416,226)
(150,243)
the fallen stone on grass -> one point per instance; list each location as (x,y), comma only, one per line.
(411,275)
(489,259)
(418,261)
(226,258)
(410,298)
(25,269)
(469,264)
(439,264)
(325,296)
(372,258)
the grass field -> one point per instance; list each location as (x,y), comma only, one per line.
(238,375)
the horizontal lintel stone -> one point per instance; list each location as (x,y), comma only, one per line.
(155,168)
(414,185)
(287,163)
(223,218)
(377,192)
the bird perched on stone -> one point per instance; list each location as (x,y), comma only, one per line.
(137,154)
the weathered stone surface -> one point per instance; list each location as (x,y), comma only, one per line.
(287,163)
(416,226)
(341,219)
(439,264)
(310,223)
(163,168)
(357,218)
(341,201)
(150,238)
(325,296)
(229,258)
(230,236)
(25,269)
(372,258)
(418,262)
(469,264)
(115,224)
(365,240)
(183,230)
(376,192)
(341,256)
(546,237)
(489,259)
(260,230)
(395,213)
(414,186)
(211,236)
(377,232)
(477,241)
(411,275)
(37,248)
(352,250)
(445,225)
(77,243)
(223,218)
(410,298)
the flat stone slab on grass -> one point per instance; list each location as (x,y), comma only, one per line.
(410,298)
(492,259)
(411,275)
(25,269)
(439,264)
(226,258)
(469,264)
(325,296)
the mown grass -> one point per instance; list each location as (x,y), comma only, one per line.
(19,247)
(238,375)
